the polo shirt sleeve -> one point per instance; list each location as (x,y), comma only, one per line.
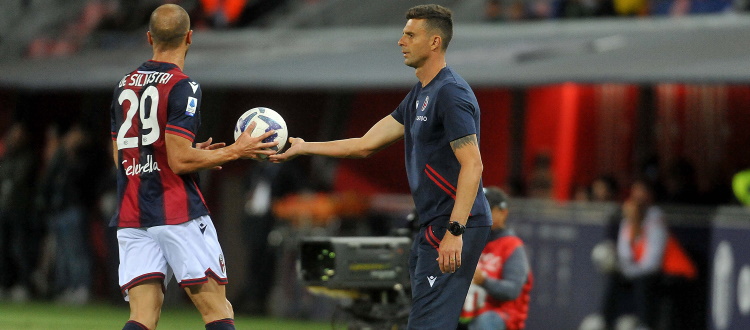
(456,111)
(400,113)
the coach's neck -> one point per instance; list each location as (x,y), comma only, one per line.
(431,68)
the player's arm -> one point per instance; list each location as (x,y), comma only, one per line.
(184,158)
(115,153)
(384,133)
(466,150)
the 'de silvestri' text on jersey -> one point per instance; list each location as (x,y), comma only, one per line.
(154,100)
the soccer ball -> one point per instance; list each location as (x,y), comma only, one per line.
(266,119)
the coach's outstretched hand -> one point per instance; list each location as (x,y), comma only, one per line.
(252,147)
(291,153)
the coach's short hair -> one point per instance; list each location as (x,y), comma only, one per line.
(168,25)
(436,17)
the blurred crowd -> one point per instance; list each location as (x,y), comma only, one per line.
(517,10)
(108,20)
(48,202)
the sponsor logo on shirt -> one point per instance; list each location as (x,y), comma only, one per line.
(136,169)
(431,279)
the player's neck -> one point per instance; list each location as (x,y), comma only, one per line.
(430,69)
(175,57)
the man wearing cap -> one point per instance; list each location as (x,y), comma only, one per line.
(499,294)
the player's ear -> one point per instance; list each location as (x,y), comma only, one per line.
(189,37)
(149,38)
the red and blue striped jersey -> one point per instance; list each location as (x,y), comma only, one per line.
(154,100)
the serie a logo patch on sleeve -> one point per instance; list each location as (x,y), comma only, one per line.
(192,105)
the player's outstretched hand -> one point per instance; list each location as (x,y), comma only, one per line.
(289,154)
(252,147)
(207,145)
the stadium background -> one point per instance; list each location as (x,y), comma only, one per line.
(662,91)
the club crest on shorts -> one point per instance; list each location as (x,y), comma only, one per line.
(222,264)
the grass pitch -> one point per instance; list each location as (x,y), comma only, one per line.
(48,316)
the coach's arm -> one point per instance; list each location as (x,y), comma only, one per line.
(384,133)
(467,153)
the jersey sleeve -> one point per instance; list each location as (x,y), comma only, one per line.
(456,111)
(113,115)
(183,113)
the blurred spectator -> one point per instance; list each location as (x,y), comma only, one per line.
(499,295)
(581,193)
(585,8)
(652,262)
(540,9)
(62,193)
(679,184)
(505,10)
(631,7)
(267,182)
(540,180)
(17,228)
(604,189)
(223,13)
(494,11)
(688,7)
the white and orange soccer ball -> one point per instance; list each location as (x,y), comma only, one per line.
(266,119)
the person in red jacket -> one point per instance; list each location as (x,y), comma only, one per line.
(499,294)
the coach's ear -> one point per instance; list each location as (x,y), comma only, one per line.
(149,38)
(437,40)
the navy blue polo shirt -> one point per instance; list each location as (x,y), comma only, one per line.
(433,116)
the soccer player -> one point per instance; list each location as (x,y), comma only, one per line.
(439,120)
(500,292)
(164,227)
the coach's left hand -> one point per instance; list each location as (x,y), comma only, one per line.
(449,257)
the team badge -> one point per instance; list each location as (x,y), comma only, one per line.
(424,105)
(222,264)
(192,106)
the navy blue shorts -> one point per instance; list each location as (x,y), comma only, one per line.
(437,298)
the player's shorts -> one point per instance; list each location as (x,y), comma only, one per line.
(437,298)
(189,251)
